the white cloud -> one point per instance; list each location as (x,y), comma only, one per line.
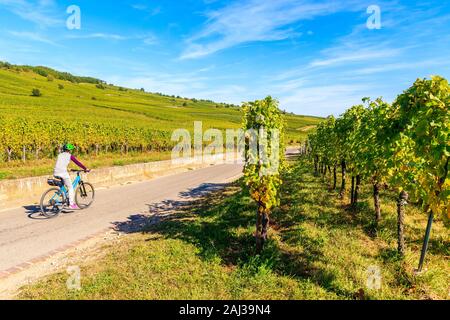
(195,84)
(322,99)
(360,55)
(177,84)
(147,39)
(40,13)
(383,68)
(32,36)
(256,20)
(226,93)
(99,35)
(150,39)
(140,7)
(365,63)
(151,11)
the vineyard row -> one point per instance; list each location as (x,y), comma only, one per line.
(404,146)
(29,139)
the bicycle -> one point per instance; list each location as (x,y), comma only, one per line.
(55,200)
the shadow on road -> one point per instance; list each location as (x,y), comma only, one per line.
(135,223)
(34,212)
(203,190)
(164,209)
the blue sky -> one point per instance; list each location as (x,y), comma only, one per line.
(316,57)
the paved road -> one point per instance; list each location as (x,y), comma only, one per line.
(25,235)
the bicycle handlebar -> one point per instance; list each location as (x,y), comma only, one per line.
(79,171)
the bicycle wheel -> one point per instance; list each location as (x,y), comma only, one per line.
(85,195)
(52,202)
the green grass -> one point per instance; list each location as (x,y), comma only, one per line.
(317,250)
(112,106)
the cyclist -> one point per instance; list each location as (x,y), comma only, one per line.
(63,161)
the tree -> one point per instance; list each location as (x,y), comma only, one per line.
(422,119)
(36,93)
(347,127)
(372,149)
(406,145)
(263,122)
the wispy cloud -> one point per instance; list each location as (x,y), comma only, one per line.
(195,83)
(168,83)
(39,12)
(257,20)
(99,35)
(147,39)
(33,36)
(322,100)
(362,54)
(366,63)
(145,8)
(346,54)
(384,68)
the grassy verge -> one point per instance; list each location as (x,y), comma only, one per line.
(204,249)
(18,169)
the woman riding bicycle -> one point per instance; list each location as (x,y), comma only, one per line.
(63,161)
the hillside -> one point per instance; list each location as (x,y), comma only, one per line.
(99,118)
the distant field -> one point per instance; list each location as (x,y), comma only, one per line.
(101,118)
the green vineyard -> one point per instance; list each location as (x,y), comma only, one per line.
(404,146)
(42,108)
(24,138)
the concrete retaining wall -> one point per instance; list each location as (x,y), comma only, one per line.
(27,191)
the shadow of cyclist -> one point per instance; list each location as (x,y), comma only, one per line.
(34,212)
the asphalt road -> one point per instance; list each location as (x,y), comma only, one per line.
(25,235)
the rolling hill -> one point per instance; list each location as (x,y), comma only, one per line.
(40,108)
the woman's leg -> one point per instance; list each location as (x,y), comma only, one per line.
(69,186)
